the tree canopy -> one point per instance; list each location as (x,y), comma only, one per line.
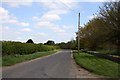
(30,41)
(50,42)
(103,31)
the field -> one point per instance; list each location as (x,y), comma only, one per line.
(97,65)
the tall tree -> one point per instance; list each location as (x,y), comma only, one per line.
(105,28)
(110,13)
(30,41)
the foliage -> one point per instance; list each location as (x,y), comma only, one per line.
(12,48)
(102,32)
(69,45)
(30,41)
(50,42)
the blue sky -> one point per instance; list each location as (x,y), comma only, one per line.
(42,21)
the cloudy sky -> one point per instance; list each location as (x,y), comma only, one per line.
(44,20)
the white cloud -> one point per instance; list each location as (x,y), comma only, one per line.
(55,0)
(18,38)
(40,34)
(16,32)
(49,3)
(26,30)
(4,14)
(24,24)
(63,34)
(6,28)
(9,33)
(35,18)
(50,26)
(7,18)
(17,3)
(95,0)
(58,30)
(44,24)
(57,11)
(59,4)
(50,17)
(56,8)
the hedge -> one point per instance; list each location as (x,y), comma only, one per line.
(11,48)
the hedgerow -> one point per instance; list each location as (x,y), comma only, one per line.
(13,48)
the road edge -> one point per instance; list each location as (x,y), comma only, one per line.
(28,61)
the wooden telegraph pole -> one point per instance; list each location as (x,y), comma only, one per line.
(78,33)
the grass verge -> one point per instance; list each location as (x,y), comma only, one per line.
(97,65)
(13,59)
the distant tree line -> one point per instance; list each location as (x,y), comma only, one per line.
(68,45)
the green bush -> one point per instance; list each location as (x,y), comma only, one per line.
(12,48)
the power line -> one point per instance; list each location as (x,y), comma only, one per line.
(66,6)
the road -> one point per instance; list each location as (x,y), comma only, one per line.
(58,65)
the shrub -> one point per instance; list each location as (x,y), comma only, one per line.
(12,48)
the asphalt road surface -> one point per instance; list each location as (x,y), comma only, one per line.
(58,65)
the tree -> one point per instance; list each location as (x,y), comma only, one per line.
(30,41)
(50,42)
(93,34)
(62,45)
(110,13)
(68,45)
(103,29)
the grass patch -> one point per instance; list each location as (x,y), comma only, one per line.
(13,59)
(97,65)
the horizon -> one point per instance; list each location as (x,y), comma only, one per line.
(33,41)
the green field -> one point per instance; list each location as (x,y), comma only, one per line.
(97,65)
(13,59)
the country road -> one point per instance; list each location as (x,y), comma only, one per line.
(58,65)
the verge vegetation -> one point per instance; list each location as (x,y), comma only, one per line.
(15,52)
(13,48)
(97,65)
(13,59)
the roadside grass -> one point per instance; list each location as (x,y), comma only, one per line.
(9,60)
(97,65)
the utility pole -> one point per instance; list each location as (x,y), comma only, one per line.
(78,33)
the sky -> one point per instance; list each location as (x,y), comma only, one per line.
(42,20)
